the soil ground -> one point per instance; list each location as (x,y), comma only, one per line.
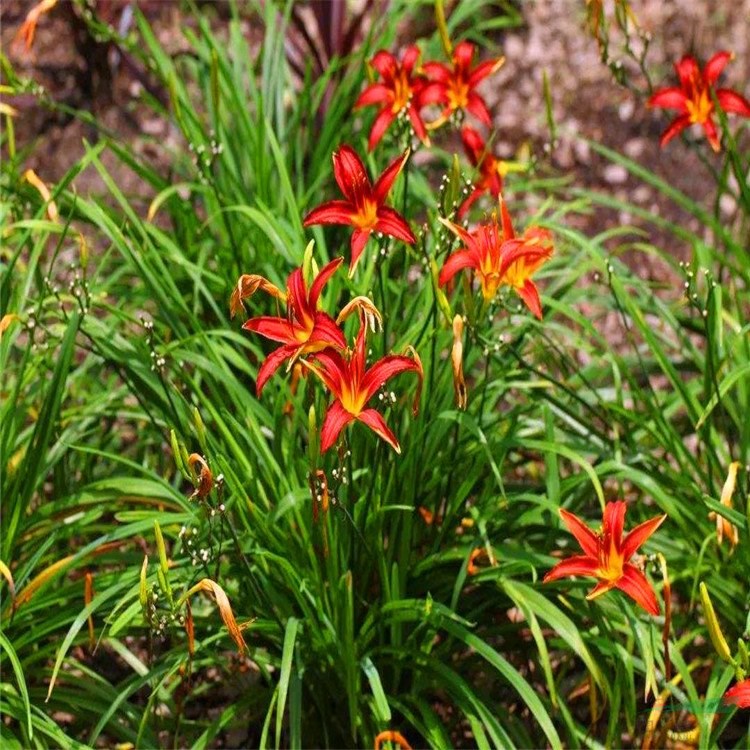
(588,104)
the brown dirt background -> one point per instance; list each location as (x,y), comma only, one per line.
(587,102)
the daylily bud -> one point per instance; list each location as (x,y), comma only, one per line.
(189,628)
(714,629)
(442,27)
(440,297)
(309,266)
(143,588)
(177,455)
(8,576)
(744,657)
(31,177)
(84,250)
(200,428)
(457,359)
(312,433)
(5,322)
(163,570)
(724,527)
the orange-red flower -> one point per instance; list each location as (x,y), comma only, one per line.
(400,89)
(739,695)
(27,31)
(304,330)
(364,207)
(457,86)
(693,101)
(607,555)
(498,257)
(353,386)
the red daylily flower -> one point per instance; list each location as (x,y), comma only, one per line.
(399,89)
(457,86)
(491,170)
(692,98)
(739,695)
(498,257)
(353,386)
(304,330)
(364,207)
(607,555)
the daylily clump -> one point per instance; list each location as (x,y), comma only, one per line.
(693,98)
(364,207)
(607,555)
(499,258)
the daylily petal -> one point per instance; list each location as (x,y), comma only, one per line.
(382,123)
(410,58)
(712,134)
(469,202)
(332,212)
(437,71)
(377,424)
(485,69)
(385,369)
(432,93)
(686,69)
(637,587)
(391,222)
(475,104)
(330,367)
(276,329)
(739,694)
(601,588)
(530,295)
(733,102)
(272,363)
(463,54)
(583,534)
(637,536)
(668,98)
(455,263)
(375,93)
(385,181)
(326,333)
(474,144)
(385,63)
(297,297)
(322,279)
(358,241)
(462,234)
(418,124)
(508,233)
(715,66)
(675,127)
(614,520)
(350,174)
(335,420)
(578,565)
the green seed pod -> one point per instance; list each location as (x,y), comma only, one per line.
(714,629)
